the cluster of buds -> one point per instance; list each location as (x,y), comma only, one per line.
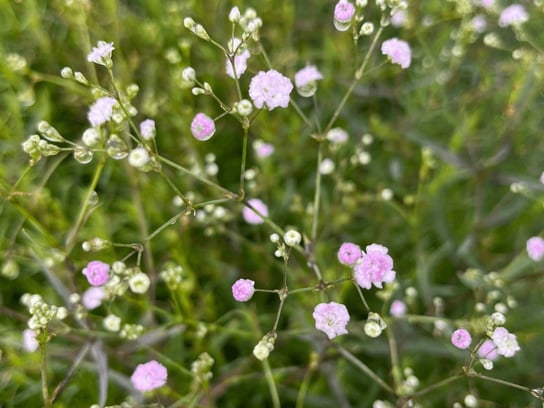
(263,348)
(77,76)
(124,278)
(131,331)
(250,22)
(291,238)
(42,313)
(172,274)
(201,368)
(95,244)
(374,325)
(196,29)
(410,382)
(36,148)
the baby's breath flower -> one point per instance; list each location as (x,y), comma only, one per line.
(398,51)
(139,158)
(139,283)
(148,376)
(292,238)
(101,54)
(112,323)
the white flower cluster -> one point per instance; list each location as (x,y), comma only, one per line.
(173,275)
(42,313)
(263,348)
(201,368)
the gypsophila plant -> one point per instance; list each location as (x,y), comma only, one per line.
(272,204)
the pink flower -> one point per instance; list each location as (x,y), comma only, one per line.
(147,129)
(243,290)
(487,3)
(101,54)
(305,80)
(30,343)
(461,339)
(398,51)
(398,308)
(479,23)
(398,18)
(349,253)
(535,248)
(148,376)
(202,127)
(506,342)
(344,11)
(97,273)
(488,350)
(513,15)
(101,111)
(92,297)
(251,216)
(263,149)
(375,267)
(331,318)
(240,63)
(270,89)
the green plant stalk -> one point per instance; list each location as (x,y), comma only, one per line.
(357,77)
(395,366)
(364,368)
(271,384)
(43,370)
(362,297)
(437,385)
(303,390)
(71,238)
(241,192)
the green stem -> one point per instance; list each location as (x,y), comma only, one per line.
(43,369)
(317,195)
(241,192)
(362,298)
(395,366)
(71,238)
(271,384)
(364,368)
(357,77)
(439,384)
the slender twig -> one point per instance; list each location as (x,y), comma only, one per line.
(271,384)
(364,368)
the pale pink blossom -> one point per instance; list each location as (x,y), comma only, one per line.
(331,318)
(488,350)
(251,216)
(202,127)
(513,15)
(374,268)
(97,273)
(148,376)
(344,11)
(398,19)
(487,3)
(101,54)
(243,289)
(30,343)
(506,342)
(92,297)
(535,248)
(398,308)
(101,111)
(147,129)
(240,63)
(349,253)
(270,90)
(398,51)
(306,80)
(461,338)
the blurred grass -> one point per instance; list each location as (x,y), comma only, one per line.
(450,137)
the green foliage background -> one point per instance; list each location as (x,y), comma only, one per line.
(451,134)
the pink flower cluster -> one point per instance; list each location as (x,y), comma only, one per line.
(101,111)
(270,89)
(331,318)
(202,127)
(251,216)
(461,339)
(148,376)
(97,273)
(101,54)
(513,15)
(243,289)
(398,51)
(535,248)
(373,266)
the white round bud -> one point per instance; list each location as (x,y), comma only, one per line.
(188,74)
(244,107)
(91,137)
(112,323)
(139,283)
(138,157)
(234,15)
(292,238)
(372,329)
